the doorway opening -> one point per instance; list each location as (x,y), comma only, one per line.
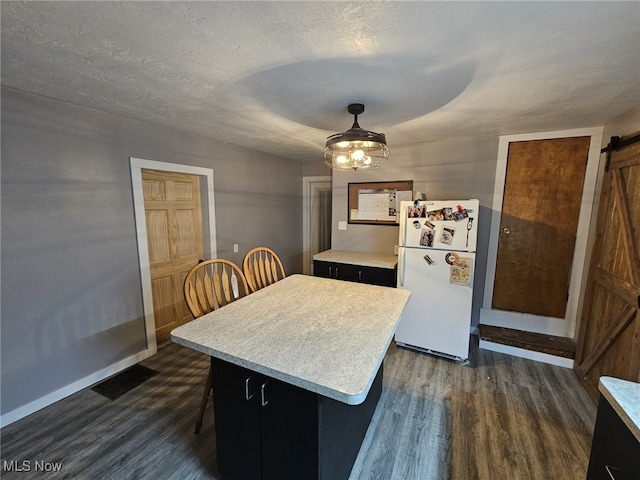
(316,207)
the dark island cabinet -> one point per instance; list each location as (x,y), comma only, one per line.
(356,273)
(615,452)
(267,429)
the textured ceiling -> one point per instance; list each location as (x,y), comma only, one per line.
(278,76)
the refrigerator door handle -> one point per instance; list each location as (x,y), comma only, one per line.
(403,228)
(401,267)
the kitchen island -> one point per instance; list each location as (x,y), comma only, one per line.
(615,450)
(297,373)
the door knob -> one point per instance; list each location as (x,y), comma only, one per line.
(506,230)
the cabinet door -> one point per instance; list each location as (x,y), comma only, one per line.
(237,417)
(615,452)
(378,276)
(289,432)
(345,271)
(322,269)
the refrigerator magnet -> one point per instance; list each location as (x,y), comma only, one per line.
(426,237)
(460,273)
(435,215)
(452,258)
(417,211)
(446,235)
(461,214)
(428,259)
(447,213)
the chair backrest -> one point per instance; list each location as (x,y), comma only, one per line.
(213,284)
(262,267)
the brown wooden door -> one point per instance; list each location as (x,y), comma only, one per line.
(608,340)
(174,232)
(540,210)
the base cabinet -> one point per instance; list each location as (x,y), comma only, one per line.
(268,429)
(615,451)
(356,273)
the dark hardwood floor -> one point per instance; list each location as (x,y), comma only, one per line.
(499,417)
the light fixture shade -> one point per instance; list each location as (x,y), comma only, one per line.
(356,149)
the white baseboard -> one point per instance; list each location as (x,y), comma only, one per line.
(529,354)
(525,322)
(72,388)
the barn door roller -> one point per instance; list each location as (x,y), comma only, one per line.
(617,143)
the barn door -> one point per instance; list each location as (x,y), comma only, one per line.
(608,341)
(175,240)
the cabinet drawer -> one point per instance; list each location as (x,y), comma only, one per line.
(355,273)
(379,276)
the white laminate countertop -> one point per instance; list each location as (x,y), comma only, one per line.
(326,336)
(379,260)
(624,397)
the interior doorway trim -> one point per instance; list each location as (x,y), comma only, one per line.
(206,174)
(306,218)
(535,323)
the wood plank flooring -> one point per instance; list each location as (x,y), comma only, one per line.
(499,417)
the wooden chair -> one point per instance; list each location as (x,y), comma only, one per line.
(262,267)
(210,285)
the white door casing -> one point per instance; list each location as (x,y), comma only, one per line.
(307,193)
(534,323)
(208,211)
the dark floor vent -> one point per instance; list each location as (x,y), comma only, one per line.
(124,382)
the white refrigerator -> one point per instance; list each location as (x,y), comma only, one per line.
(436,261)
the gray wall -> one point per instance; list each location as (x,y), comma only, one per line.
(71,293)
(447,170)
(623,126)
(317,168)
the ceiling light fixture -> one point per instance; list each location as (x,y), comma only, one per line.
(356,149)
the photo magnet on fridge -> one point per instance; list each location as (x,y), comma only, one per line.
(446,235)
(417,211)
(461,214)
(435,215)
(426,237)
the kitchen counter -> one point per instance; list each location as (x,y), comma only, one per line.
(624,397)
(377,260)
(297,373)
(310,332)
